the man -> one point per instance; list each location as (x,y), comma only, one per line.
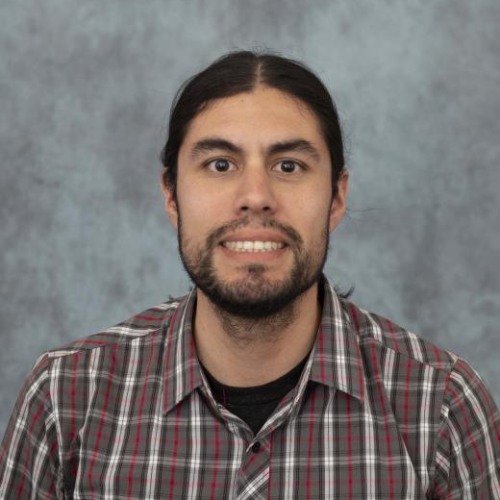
(262,382)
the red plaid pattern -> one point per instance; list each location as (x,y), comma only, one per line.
(378,413)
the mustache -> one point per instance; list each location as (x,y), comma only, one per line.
(217,234)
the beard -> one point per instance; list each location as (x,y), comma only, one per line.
(254,296)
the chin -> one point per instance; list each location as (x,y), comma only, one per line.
(255,296)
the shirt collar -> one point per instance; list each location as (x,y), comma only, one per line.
(336,362)
(182,369)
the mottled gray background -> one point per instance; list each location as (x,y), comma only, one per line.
(85,89)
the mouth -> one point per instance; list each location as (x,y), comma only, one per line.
(252,246)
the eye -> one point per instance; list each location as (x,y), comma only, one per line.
(288,167)
(219,165)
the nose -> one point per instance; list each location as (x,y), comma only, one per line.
(256,193)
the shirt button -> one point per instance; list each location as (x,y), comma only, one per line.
(256,447)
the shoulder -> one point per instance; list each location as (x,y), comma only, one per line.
(372,328)
(138,326)
(405,362)
(110,353)
(138,330)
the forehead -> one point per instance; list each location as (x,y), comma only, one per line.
(264,114)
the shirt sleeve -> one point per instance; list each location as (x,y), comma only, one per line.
(29,452)
(468,446)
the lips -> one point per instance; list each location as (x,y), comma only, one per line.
(253,245)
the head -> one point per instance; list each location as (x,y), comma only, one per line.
(254,181)
(240,72)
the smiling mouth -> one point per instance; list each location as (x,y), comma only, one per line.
(252,246)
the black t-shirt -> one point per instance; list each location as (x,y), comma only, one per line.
(254,404)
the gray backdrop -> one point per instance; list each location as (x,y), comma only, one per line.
(85,89)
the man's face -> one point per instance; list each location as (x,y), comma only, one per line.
(254,201)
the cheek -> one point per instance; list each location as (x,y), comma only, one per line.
(194,204)
(199,216)
(313,213)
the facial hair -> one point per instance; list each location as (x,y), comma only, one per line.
(254,297)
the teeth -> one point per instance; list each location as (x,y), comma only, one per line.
(253,246)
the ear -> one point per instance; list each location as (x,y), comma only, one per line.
(339,204)
(170,204)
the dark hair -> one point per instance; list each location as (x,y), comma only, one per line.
(242,71)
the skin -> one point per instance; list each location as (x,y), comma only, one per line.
(231,172)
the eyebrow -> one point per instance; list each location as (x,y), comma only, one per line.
(298,145)
(216,143)
(211,144)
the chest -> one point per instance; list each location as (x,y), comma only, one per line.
(328,447)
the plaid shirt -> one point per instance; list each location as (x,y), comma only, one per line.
(378,413)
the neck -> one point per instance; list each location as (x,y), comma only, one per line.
(245,352)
